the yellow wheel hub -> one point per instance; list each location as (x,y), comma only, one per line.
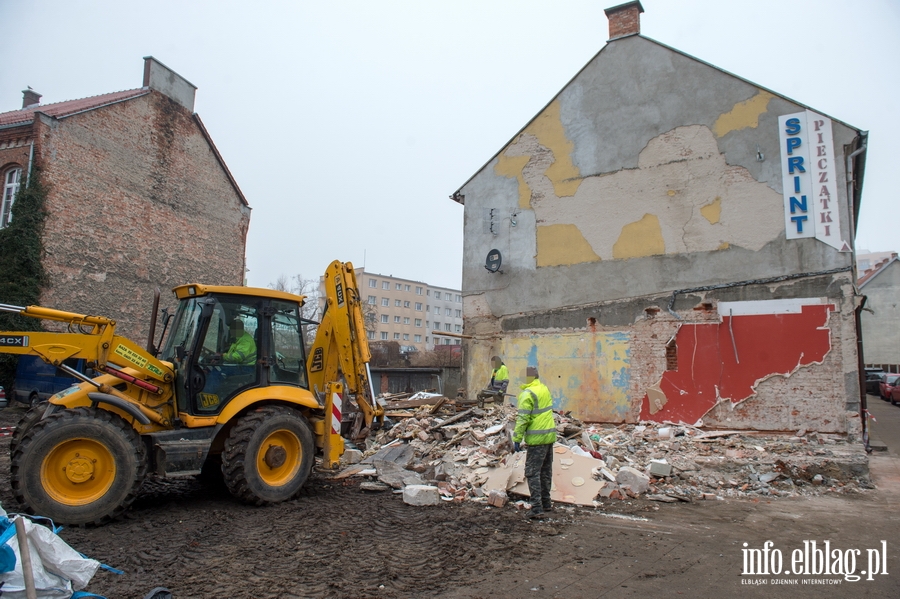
(279,458)
(78,471)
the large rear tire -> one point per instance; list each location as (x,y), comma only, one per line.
(81,466)
(268,455)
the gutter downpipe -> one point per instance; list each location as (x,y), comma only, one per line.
(863,399)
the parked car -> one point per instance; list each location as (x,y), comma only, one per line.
(895,395)
(36,380)
(873,379)
(888,382)
(3,400)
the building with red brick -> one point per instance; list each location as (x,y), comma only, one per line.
(138,196)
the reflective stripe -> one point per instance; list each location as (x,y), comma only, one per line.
(540,432)
(536,411)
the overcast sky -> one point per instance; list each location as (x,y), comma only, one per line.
(348,124)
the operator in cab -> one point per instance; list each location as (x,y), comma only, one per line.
(243,348)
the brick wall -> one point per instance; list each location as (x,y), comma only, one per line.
(137,200)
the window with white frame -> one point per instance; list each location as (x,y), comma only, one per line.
(426,340)
(398,286)
(397,303)
(459,313)
(458,298)
(385,284)
(372,299)
(447,312)
(427,324)
(459,328)
(385,301)
(418,322)
(417,338)
(396,335)
(406,320)
(447,327)
(406,287)
(397,319)
(418,291)
(419,306)
(437,295)
(406,336)
(373,283)
(384,335)
(11,182)
(384,318)
(370,334)
(437,326)
(406,304)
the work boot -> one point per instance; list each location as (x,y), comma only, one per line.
(548,508)
(535,515)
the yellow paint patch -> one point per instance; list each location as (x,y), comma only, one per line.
(712,211)
(587,372)
(724,246)
(548,130)
(511,166)
(639,239)
(562,245)
(744,114)
(563,174)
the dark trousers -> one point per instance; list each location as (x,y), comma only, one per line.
(539,474)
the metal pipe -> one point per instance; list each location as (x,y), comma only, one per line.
(731,330)
(25,555)
(9,308)
(82,377)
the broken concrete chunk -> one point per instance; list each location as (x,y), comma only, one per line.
(660,468)
(635,480)
(662,498)
(373,486)
(352,456)
(497,498)
(769,477)
(421,495)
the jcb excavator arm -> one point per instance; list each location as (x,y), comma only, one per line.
(92,338)
(340,346)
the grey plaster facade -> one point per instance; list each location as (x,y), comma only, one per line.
(650,175)
(881,320)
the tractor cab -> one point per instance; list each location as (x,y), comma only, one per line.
(224,341)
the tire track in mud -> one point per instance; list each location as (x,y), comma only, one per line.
(333,540)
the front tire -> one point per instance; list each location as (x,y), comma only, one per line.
(81,466)
(268,455)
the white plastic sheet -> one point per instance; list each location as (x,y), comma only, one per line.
(59,570)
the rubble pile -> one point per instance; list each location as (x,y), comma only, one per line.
(468,455)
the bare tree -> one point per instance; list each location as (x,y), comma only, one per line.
(310,309)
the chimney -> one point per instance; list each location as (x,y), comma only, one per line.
(30,97)
(624,19)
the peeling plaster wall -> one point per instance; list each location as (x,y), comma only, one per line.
(640,178)
(136,200)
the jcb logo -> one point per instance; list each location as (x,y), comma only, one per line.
(339,291)
(318,361)
(14,341)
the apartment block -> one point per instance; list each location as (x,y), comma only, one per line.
(416,315)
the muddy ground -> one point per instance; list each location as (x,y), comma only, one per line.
(338,541)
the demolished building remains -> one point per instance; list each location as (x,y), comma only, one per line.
(669,242)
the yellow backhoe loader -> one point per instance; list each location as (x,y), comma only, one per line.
(232,387)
